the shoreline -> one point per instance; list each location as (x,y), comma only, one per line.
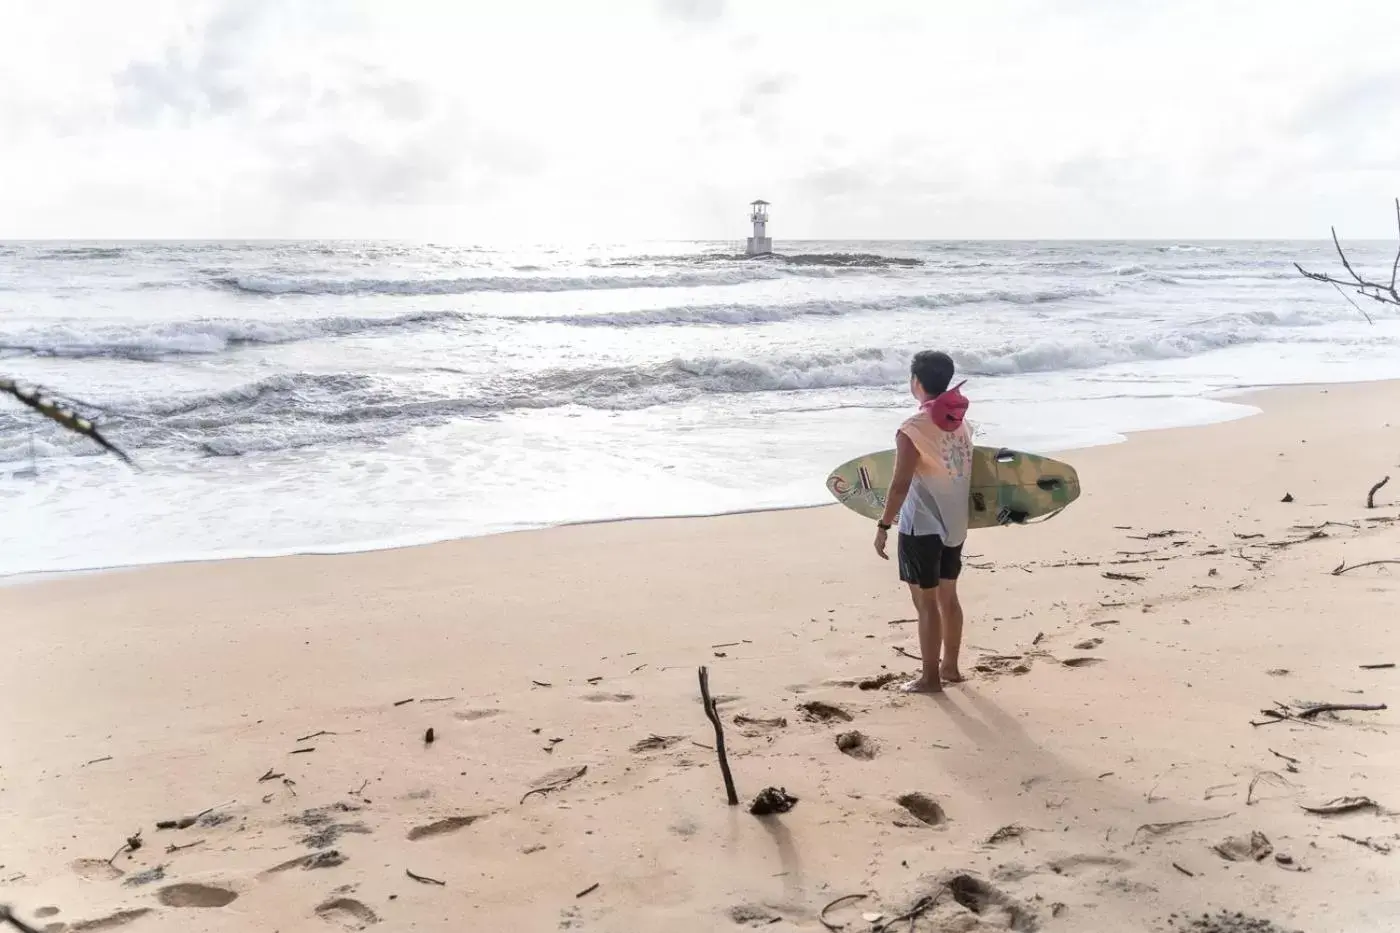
(1109,736)
(23,578)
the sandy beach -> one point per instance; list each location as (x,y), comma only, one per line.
(1111,736)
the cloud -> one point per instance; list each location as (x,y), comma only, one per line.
(692,11)
(763,90)
(194,78)
(546,119)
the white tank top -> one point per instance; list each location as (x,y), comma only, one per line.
(942,481)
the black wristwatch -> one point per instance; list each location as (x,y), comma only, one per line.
(882,526)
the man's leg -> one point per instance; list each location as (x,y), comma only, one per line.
(950,616)
(930,634)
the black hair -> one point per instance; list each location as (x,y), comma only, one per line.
(933,369)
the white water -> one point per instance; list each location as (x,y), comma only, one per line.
(325,397)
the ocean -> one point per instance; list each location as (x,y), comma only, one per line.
(335,396)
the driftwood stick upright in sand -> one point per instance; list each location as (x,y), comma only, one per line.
(713,715)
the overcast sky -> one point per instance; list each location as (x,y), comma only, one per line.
(547,120)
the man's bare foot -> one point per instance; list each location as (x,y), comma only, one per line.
(951,675)
(923,684)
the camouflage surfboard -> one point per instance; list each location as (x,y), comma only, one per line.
(1008,486)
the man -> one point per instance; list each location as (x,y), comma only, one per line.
(929,493)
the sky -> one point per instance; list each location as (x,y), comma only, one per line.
(555,120)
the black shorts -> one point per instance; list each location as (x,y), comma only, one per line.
(925,559)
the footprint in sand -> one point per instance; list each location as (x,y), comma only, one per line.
(472,715)
(111,921)
(1069,864)
(96,869)
(656,743)
(817,711)
(43,912)
(149,876)
(774,722)
(1081,662)
(347,912)
(196,895)
(609,698)
(983,898)
(753,915)
(857,745)
(442,827)
(1088,644)
(923,808)
(326,830)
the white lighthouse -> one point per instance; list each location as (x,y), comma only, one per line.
(760,244)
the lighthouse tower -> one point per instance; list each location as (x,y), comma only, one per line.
(760,244)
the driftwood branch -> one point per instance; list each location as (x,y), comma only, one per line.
(1376,291)
(35,399)
(713,714)
(1371,496)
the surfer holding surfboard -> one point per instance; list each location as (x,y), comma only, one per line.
(928,496)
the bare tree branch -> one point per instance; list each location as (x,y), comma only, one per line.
(56,412)
(1385,294)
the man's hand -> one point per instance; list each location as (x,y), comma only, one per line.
(881,536)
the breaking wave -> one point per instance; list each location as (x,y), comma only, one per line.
(270,285)
(305,409)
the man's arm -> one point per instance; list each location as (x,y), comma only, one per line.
(905,456)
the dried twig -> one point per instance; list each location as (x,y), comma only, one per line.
(1374,845)
(316,735)
(1371,496)
(270,776)
(713,714)
(424,879)
(133,842)
(1312,711)
(1378,667)
(562,782)
(1189,874)
(1124,577)
(836,927)
(588,890)
(1273,775)
(173,848)
(1344,568)
(403,702)
(922,906)
(1157,829)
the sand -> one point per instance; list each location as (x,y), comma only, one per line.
(1081,780)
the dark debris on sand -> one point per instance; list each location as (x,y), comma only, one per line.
(1226,921)
(772,800)
(326,830)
